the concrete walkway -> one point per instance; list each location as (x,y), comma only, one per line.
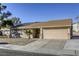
(72,44)
(51,47)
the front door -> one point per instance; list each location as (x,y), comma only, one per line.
(36,33)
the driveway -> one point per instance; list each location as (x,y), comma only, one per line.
(72,44)
(5,52)
(42,46)
(54,44)
(45,44)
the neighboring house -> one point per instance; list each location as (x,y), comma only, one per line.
(5,31)
(76,27)
(56,29)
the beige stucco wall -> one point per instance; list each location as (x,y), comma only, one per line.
(53,33)
(56,33)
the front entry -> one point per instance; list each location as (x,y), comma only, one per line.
(36,33)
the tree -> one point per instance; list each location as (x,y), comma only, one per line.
(2,7)
(16,21)
(8,24)
(5,21)
(3,15)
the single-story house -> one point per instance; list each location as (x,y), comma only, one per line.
(54,29)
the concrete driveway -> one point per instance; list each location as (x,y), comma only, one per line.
(72,44)
(51,47)
(54,44)
(46,44)
(42,46)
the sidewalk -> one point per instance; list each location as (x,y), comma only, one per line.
(40,46)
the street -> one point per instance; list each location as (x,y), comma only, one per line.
(5,52)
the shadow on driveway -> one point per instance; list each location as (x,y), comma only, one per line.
(4,43)
(75,37)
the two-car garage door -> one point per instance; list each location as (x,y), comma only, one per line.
(56,34)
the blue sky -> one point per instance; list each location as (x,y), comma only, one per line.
(30,12)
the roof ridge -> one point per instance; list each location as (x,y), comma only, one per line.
(60,19)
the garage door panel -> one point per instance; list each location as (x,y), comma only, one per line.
(55,34)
